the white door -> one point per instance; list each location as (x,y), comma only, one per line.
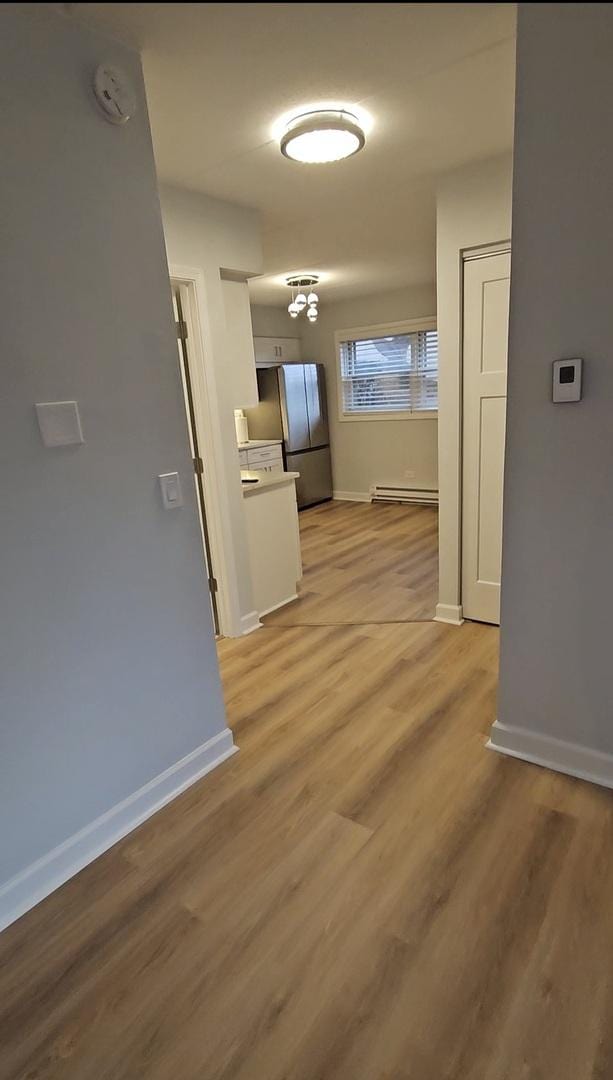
(486,329)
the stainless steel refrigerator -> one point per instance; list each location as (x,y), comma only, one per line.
(293,407)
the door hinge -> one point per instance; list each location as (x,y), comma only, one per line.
(213,584)
(198,466)
(181,326)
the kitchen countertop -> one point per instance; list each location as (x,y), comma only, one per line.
(253,443)
(266,480)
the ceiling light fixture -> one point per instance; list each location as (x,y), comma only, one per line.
(297,304)
(321,136)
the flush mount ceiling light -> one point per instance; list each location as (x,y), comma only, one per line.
(298,303)
(322,135)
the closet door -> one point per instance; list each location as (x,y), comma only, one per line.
(486,330)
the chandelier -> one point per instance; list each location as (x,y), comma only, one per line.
(304,298)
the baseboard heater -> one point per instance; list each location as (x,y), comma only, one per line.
(425,496)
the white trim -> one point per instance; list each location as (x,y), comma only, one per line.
(449,613)
(275,607)
(377,417)
(451,397)
(565,757)
(207,412)
(351,496)
(485,250)
(249,623)
(355,333)
(482,597)
(404,326)
(45,875)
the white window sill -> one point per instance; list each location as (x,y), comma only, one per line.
(379,416)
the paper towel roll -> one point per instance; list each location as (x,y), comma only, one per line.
(242,429)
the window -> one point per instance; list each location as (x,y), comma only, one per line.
(388,372)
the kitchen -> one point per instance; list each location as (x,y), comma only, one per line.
(284,457)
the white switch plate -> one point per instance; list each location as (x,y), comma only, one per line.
(59,423)
(170,486)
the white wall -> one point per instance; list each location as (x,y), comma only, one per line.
(207,234)
(373,451)
(108,670)
(473,209)
(557,585)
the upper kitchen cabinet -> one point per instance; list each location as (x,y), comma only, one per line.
(276,350)
(239,341)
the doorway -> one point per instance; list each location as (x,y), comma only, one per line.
(364,563)
(180,302)
(485,348)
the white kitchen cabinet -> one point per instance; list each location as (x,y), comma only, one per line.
(261,457)
(276,350)
(271,518)
(265,457)
(240,355)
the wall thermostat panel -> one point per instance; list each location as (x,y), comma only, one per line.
(567,380)
(114,94)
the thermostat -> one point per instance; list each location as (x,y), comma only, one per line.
(567,380)
(114,94)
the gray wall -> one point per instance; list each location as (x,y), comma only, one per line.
(270,321)
(373,451)
(107,660)
(557,591)
(206,235)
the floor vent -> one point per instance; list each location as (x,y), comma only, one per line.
(425,496)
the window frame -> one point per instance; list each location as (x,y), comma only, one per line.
(361,333)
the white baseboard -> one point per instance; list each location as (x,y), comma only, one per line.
(449,613)
(351,496)
(275,607)
(565,757)
(249,623)
(42,877)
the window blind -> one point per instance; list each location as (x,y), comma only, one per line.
(390,374)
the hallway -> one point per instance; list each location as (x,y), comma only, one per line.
(362,893)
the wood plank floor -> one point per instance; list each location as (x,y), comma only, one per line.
(365,562)
(363,893)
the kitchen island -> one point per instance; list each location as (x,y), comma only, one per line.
(271,516)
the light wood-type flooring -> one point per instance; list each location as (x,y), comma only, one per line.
(364,892)
(365,561)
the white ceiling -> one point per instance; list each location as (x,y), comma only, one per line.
(438,80)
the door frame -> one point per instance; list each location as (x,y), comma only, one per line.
(470,255)
(206,411)
(446,612)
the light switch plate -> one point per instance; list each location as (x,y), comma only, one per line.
(59,423)
(170,486)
